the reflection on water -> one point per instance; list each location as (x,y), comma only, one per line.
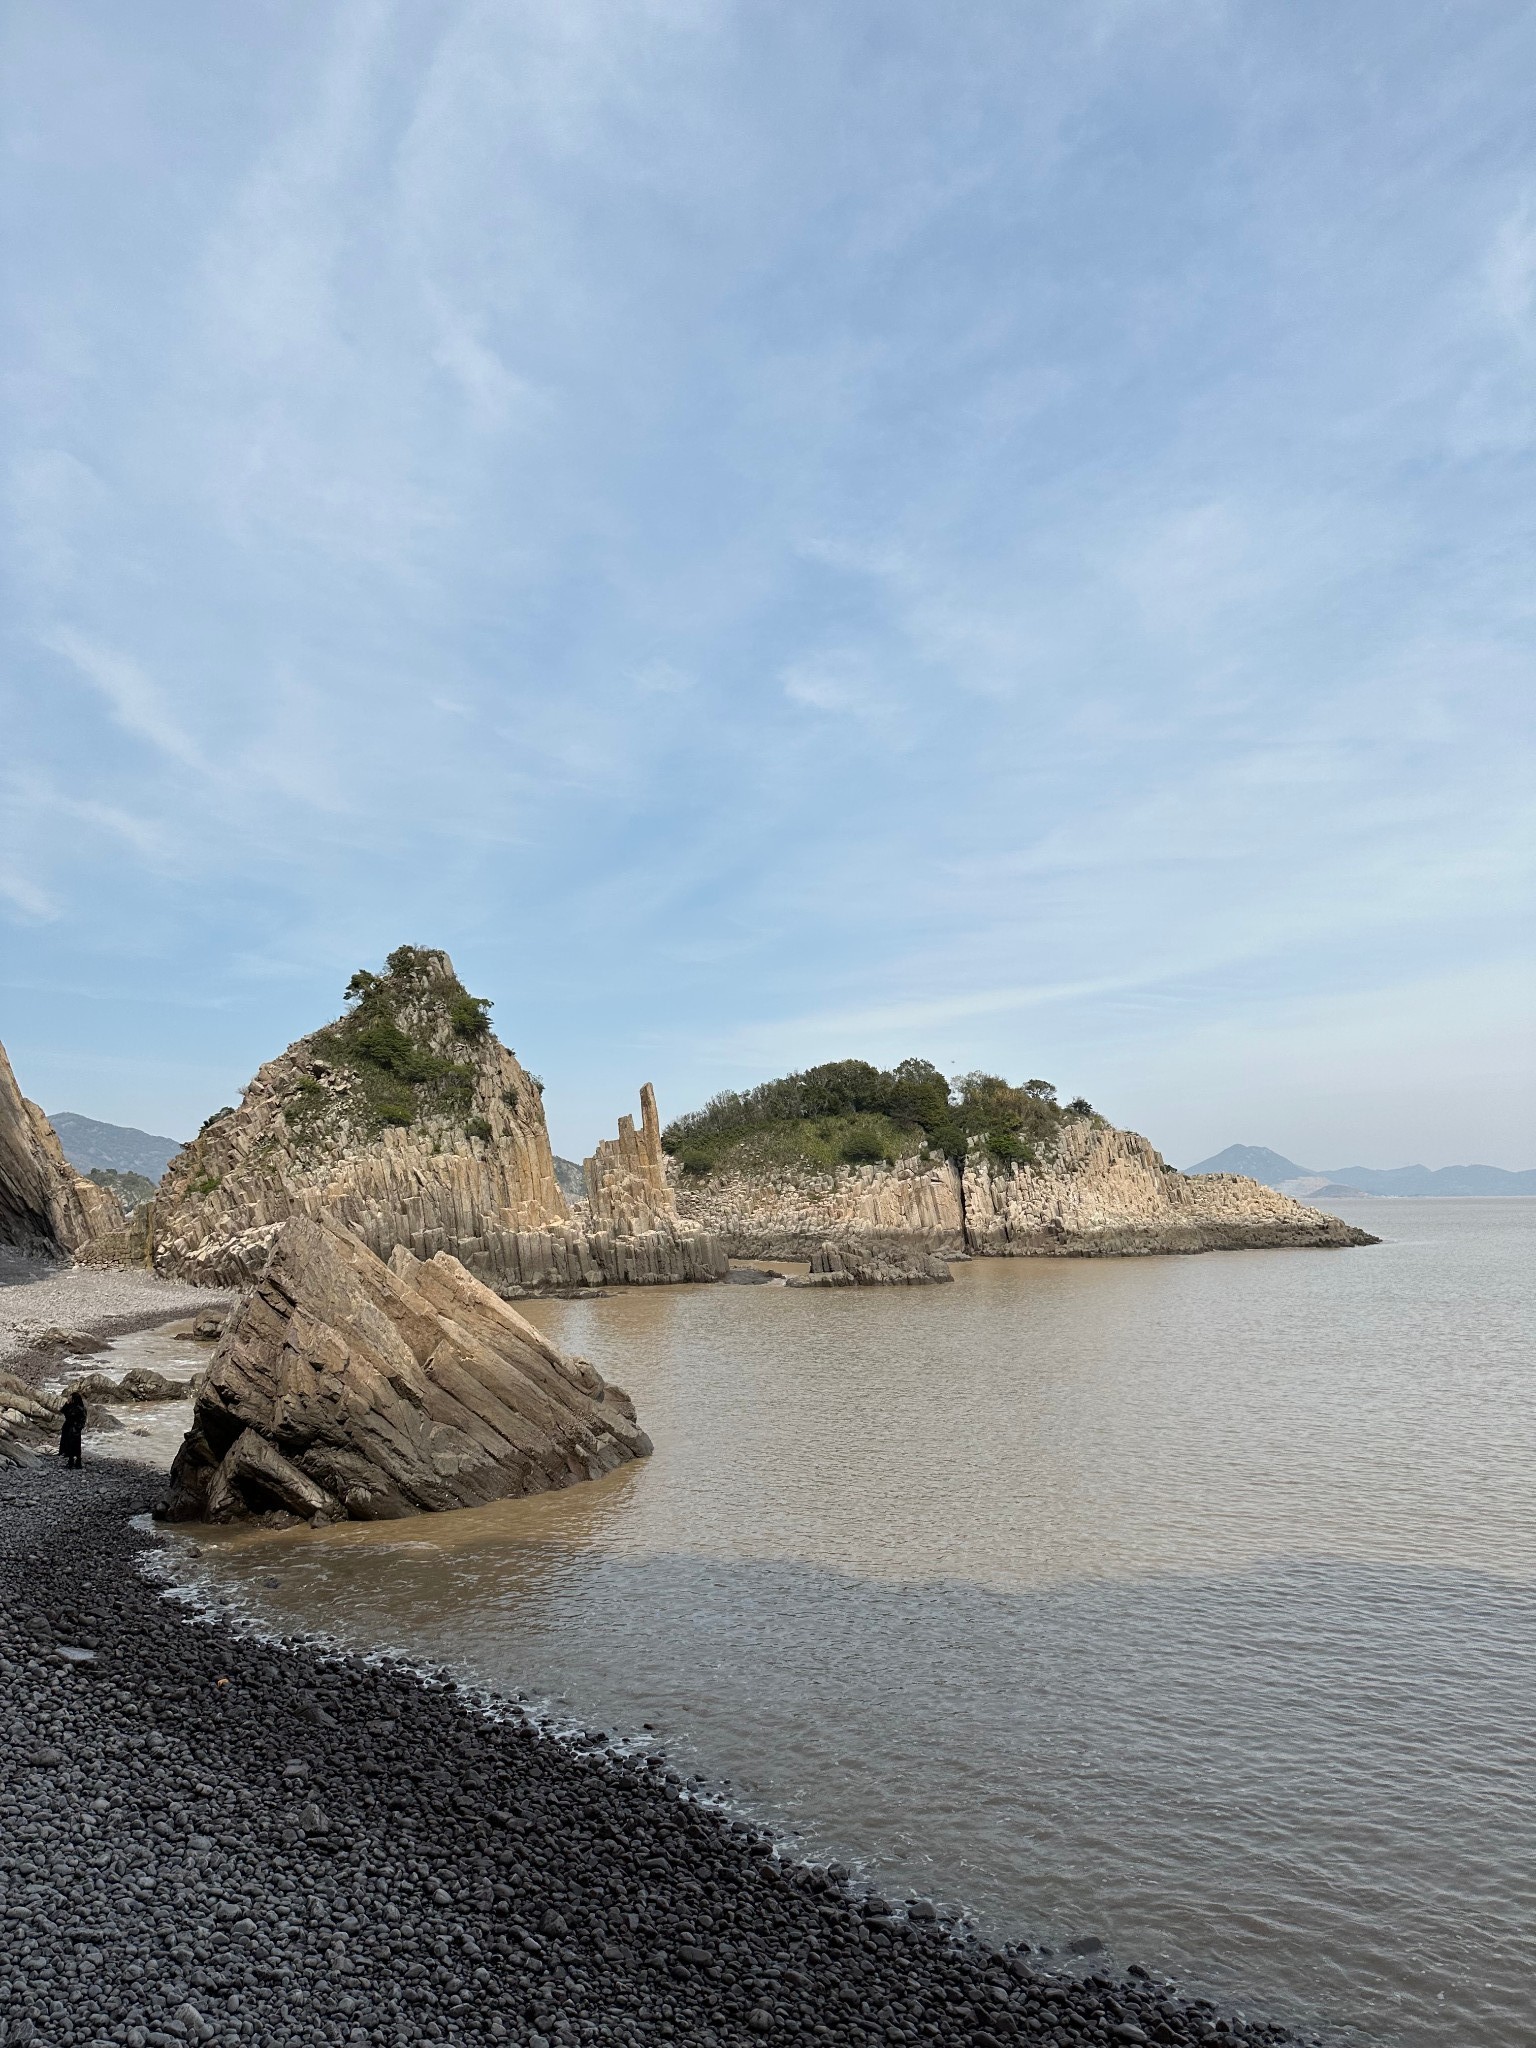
(1187,1602)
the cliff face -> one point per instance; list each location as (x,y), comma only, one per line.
(408,1123)
(1103,1192)
(45,1206)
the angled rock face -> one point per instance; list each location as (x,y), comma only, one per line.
(409,1123)
(1103,1192)
(45,1206)
(345,1387)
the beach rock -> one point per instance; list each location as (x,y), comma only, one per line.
(69,1340)
(139,1383)
(45,1206)
(408,1122)
(869,1265)
(345,1386)
(254,1478)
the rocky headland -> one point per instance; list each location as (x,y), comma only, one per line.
(206,1837)
(981,1169)
(409,1123)
(342,1387)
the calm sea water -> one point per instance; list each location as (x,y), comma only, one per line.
(1189,1603)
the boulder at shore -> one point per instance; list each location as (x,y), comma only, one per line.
(873,1265)
(343,1387)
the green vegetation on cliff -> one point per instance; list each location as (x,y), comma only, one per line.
(387,1046)
(851,1113)
(129,1188)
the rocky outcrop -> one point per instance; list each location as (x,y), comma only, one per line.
(45,1206)
(873,1265)
(1100,1192)
(789,1212)
(409,1123)
(1108,1192)
(345,1387)
(626,1178)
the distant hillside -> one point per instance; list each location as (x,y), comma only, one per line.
(1257,1162)
(116,1146)
(570,1179)
(1275,1171)
(130,1188)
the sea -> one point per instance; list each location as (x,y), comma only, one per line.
(1182,1605)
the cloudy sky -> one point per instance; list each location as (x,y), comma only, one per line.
(776,531)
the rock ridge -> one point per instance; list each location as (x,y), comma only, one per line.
(1101,1192)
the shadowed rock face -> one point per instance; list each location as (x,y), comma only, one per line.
(344,1387)
(45,1206)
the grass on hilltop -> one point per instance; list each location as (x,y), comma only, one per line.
(849,1113)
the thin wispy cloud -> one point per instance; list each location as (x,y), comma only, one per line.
(1006,536)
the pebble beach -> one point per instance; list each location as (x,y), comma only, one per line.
(210,1837)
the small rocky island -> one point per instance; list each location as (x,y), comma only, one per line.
(891,1165)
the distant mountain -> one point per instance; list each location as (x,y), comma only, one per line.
(1439,1180)
(87,1143)
(1276,1171)
(570,1179)
(1316,1187)
(1257,1161)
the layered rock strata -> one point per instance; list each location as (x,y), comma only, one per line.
(344,1387)
(1103,1192)
(45,1206)
(409,1123)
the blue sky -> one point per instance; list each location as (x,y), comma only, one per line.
(780,531)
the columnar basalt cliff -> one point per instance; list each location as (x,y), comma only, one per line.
(45,1206)
(1099,1191)
(345,1388)
(409,1123)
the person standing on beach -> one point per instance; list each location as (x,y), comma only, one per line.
(71,1429)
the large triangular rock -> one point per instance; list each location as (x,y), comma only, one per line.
(390,1390)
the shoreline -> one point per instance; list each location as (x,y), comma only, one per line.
(101,1302)
(209,1836)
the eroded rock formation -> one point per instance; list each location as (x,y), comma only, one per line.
(408,1122)
(873,1265)
(1101,1192)
(45,1206)
(345,1387)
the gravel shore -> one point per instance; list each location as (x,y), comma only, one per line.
(208,1838)
(91,1300)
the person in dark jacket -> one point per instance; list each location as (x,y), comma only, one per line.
(71,1427)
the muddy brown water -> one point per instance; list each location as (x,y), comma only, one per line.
(1185,1603)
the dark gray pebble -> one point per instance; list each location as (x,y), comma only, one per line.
(252,1845)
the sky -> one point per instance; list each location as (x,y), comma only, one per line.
(1003,533)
